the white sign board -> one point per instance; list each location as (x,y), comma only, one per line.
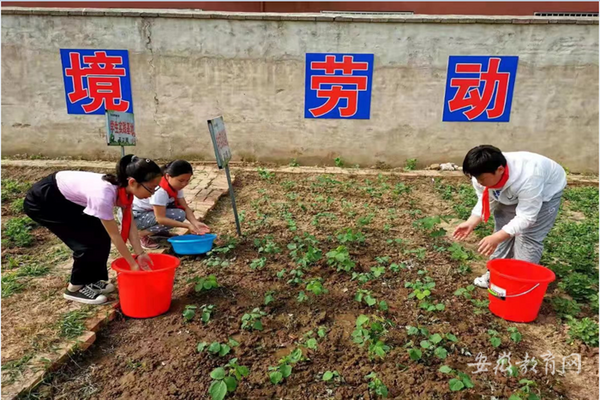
(120,128)
(219,138)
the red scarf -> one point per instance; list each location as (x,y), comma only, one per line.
(125,201)
(485,201)
(170,191)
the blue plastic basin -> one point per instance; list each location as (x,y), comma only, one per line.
(193,244)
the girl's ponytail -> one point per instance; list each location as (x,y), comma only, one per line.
(130,166)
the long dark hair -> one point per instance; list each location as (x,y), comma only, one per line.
(178,167)
(130,166)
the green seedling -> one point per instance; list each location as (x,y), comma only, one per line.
(205,284)
(515,335)
(284,368)
(340,259)
(401,189)
(525,392)
(253,320)
(339,162)
(216,348)
(459,253)
(350,236)
(267,245)
(258,263)
(376,386)
(461,380)
(207,311)
(411,164)
(329,376)
(265,174)
(495,338)
(226,379)
(294,163)
(420,253)
(364,221)
(316,287)
(269,297)
(189,312)
(465,292)
(371,332)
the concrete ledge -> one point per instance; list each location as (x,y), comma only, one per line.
(309,17)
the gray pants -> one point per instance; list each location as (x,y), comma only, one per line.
(146,220)
(527,246)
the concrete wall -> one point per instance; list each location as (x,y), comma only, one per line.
(188,67)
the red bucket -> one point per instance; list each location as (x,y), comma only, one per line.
(517,288)
(145,294)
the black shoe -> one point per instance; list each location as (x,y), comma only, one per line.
(86,295)
(103,287)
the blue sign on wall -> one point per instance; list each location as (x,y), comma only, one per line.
(338,86)
(96,81)
(480,88)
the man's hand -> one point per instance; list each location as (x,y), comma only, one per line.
(488,244)
(464,230)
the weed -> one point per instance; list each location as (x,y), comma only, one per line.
(579,286)
(72,324)
(11,285)
(17,232)
(294,163)
(11,188)
(253,320)
(376,385)
(465,292)
(189,312)
(14,368)
(585,330)
(226,379)
(339,162)
(366,220)
(16,207)
(33,270)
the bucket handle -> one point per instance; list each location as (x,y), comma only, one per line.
(512,295)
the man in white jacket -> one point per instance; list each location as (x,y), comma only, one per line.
(523,190)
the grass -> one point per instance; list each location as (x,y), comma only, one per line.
(15,368)
(72,324)
(17,232)
(11,285)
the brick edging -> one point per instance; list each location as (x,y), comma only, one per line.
(310,17)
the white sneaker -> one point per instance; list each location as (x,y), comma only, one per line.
(103,287)
(483,281)
(85,295)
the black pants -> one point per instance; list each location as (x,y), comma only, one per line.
(84,234)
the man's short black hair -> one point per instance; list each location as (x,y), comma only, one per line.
(482,159)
